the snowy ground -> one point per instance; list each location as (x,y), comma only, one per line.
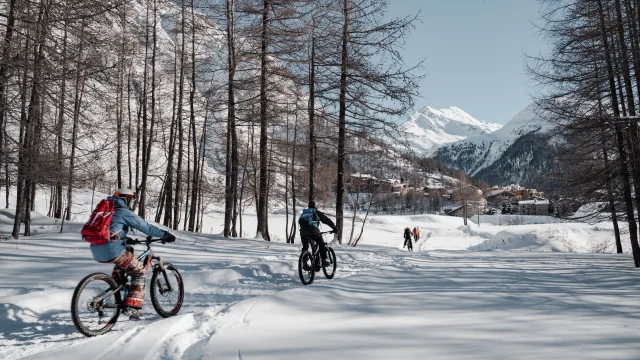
(532,291)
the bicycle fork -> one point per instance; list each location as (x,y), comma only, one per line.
(160,266)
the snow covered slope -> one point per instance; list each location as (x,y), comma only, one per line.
(243,300)
(530,296)
(482,151)
(430,127)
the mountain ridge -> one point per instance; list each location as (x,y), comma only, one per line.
(490,156)
(428,128)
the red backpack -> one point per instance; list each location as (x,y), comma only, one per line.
(96,230)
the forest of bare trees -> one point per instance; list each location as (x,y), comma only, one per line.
(241,103)
(591,80)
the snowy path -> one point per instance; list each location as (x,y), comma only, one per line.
(244,301)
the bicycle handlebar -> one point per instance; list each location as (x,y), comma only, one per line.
(147,241)
(326,232)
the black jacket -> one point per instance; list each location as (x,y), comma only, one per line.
(308,230)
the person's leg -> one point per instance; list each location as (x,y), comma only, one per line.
(134,268)
(305,243)
(321,247)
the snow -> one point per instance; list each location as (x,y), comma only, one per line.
(533,202)
(488,147)
(462,294)
(429,127)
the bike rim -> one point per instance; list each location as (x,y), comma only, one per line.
(95,313)
(306,268)
(330,270)
(169,300)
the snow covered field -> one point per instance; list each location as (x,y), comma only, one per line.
(534,291)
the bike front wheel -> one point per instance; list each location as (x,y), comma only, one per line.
(330,270)
(167,290)
(95,305)
(305,268)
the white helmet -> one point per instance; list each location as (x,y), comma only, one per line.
(125,194)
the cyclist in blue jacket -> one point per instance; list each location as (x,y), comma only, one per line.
(309,223)
(114,251)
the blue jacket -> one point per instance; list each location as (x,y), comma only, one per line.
(123,219)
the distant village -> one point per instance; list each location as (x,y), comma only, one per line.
(447,196)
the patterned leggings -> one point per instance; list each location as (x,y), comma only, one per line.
(138,272)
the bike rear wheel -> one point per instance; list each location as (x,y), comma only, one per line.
(95,305)
(167,293)
(330,270)
(305,268)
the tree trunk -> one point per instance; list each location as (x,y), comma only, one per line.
(286,183)
(366,216)
(196,160)
(21,144)
(60,126)
(612,204)
(312,113)
(262,230)
(342,124)
(355,213)
(292,234)
(633,230)
(168,197)
(203,141)
(129,130)
(77,103)
(4,66)
(177,200)
(141,190)
(187,193)
(31,131)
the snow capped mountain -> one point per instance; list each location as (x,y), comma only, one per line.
(515,149)
(428,128)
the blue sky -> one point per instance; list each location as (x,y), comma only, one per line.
(474,51)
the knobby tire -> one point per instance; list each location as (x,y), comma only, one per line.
(331,259)
(306,257)
(177,287)
(75,315)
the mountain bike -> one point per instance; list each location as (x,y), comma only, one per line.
(311,262)
(99,298)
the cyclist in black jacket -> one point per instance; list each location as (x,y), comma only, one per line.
(309,223)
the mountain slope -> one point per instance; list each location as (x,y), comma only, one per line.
(429,128)
(525,162)
(510,154)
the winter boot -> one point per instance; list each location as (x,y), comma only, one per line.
(134,314)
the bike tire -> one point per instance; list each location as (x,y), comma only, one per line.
(82,324)
(165,303)
(333,264)
(306,259)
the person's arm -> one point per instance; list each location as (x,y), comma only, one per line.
(136,222)
(325,220)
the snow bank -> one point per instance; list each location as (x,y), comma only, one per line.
(515,219)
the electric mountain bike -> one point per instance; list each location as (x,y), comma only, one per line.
(311,262)
(99,298)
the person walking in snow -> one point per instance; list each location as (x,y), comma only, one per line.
(407,239)
(115,252)
(309,223)
(416,233)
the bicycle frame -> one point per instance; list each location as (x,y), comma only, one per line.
(119,275)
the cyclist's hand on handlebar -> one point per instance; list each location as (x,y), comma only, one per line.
(168,237)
